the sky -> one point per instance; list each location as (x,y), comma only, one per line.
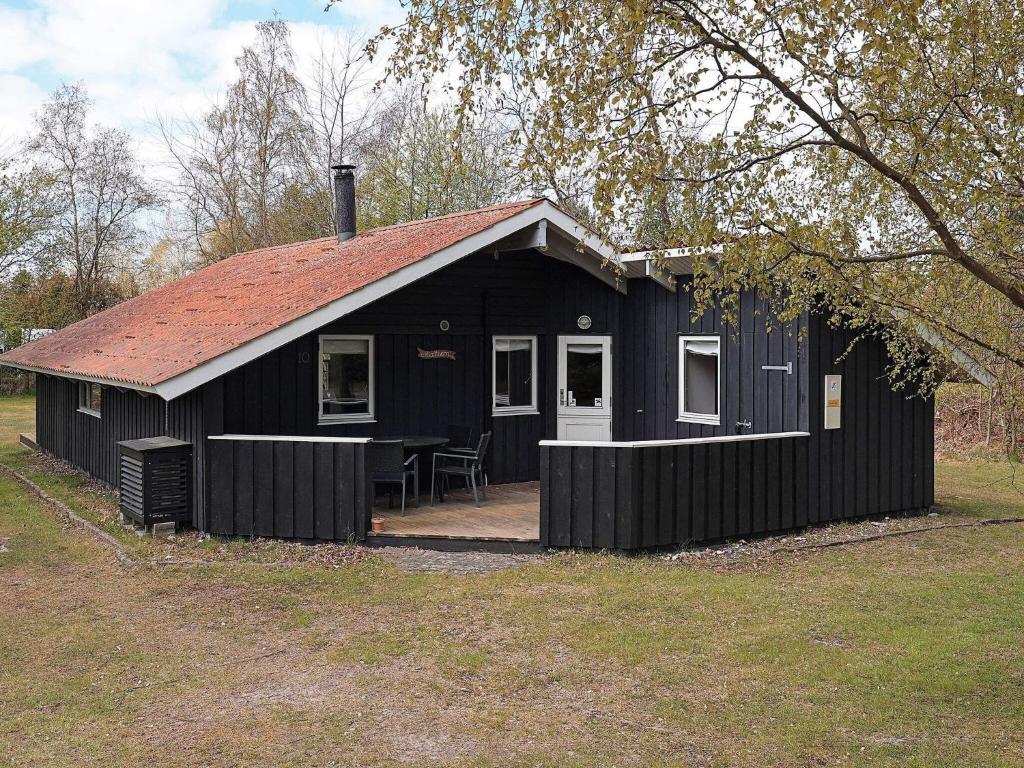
(141,58)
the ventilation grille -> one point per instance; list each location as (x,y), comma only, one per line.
(156,480)
(132,487)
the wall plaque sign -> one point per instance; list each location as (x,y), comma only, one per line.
(435,354)
(833,401)
(583,322)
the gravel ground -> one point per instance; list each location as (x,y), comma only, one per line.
(414,559)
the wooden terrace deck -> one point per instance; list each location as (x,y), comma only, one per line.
(510,513)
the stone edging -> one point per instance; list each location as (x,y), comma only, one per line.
(65,511)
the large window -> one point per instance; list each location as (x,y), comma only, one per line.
(514,364)
(90,398)
(699,379)
(346,378)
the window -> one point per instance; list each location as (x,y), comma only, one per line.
(699,384)
(346,378)
(514,375)
(90,398)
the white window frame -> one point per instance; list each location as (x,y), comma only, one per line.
(699,418)
(513,410)
(83,399)
(347,418)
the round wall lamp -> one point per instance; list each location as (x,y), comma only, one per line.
(583,322)
(445,325)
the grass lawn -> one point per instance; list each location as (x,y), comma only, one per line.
(902,652)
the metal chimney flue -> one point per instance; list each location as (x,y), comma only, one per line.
(345,201)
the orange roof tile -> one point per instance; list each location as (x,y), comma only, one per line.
(172,329)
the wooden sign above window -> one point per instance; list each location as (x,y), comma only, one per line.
(435,354)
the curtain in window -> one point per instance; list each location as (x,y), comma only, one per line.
(513,373)
(700,377)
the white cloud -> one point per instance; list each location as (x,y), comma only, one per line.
(16,92)
(20,46)
(368,14)
(139,58)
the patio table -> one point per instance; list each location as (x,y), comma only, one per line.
(416,443)
(425,444)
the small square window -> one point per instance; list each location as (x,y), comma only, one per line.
(346,378)
(699,379)
(90,398)
(514,367)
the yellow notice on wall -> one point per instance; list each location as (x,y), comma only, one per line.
(833,401)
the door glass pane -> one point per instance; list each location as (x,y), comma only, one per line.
(584,375)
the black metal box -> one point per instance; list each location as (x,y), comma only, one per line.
(156,480)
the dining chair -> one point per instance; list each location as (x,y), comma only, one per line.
(468,466)
(460,437)
(388,466)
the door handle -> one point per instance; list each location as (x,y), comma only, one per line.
(561,397)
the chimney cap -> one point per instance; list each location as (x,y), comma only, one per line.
(343,167)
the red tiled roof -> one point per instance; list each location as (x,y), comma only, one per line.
(172,329)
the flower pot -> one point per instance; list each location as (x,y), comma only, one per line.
(377,524)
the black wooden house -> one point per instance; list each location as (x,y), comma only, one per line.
(617,418)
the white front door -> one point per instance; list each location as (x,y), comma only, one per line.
(584,388)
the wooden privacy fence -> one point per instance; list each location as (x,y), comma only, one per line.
(288,487)
(666,492)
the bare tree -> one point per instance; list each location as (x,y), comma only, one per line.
(254,171)
(26,207)
(249,171)
(341,109)
(414,165)
(97,190)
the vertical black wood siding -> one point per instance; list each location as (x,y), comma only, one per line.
(288,489)
(646,396)
(522,293)
(90,443)
(87,441)
(882,458)
(527,293)
(880,461)
(653,496)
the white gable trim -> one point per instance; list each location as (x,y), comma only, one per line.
(299,327)
(974,369)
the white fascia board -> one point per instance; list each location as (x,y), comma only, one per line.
(563,248)
(148,389)
(378,289)
(579,233)
(671,253)
(677,261)
(973,367)
(976,370)
(666,443)
(573,232)
(293,438)
(661,278)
